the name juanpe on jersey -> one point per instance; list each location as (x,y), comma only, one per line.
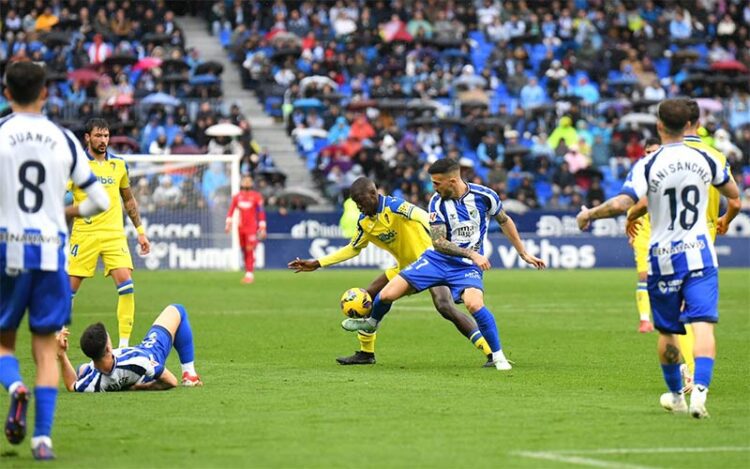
(28,137)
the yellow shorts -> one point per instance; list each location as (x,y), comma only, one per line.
(86,248)
(640,249)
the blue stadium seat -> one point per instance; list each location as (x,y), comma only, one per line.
(662,67)
(543,191)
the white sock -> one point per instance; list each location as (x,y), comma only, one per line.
(189,368)
(644,317)
(14,386)
(249,275)
(499,356)
(37,440)
(123,343)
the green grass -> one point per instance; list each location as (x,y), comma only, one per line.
(274,397)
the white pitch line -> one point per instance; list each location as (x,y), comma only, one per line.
(581,461)
(573,456)
(715,449)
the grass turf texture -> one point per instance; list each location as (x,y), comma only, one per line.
(584,379)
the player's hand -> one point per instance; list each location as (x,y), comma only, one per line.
(583,218)
(228,226)
(262,234)
(631,229)
(535,261)
(62,340)
(144,243)
(722,226)
(480,261)
(303,265)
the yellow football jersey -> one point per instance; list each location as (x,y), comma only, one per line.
(712,211)
(399,227)
(112,173)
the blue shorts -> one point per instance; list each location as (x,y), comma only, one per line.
(432,269)
(45,294)
(698,289)
(157,343)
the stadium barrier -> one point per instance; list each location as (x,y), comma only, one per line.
(190,240)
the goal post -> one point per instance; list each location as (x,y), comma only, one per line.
(183,200)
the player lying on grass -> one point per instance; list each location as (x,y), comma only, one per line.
(138,368)
(402,229)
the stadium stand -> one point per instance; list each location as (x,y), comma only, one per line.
(543,101)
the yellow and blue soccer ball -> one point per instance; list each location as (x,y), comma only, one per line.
(356,303)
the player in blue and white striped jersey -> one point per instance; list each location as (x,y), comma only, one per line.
(682,261)
(37,158)
(142,367)
(459,214)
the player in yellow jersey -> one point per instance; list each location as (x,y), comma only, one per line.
(639,242)
(402,229)
(104,235)
(715,223)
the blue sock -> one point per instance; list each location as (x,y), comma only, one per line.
(486,322)
(672,376)
(379,308)
(9,371)
(183,337)
(704,370)
(44,399)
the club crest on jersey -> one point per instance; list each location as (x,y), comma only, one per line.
(112,165)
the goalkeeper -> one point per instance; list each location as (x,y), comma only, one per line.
(402,229)
(103,235)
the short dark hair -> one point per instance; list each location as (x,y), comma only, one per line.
(96,123)
(444,165)
(674,114)
(94,341)
(694,109)
(652,141)
(360,185)
(25,81)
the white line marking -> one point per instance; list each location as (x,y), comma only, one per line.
(581,461)
(573,456)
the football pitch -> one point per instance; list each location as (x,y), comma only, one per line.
(584,390)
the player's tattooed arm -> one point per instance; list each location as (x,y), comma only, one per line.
(617,205)
(511,232)
(131,206)
(439,234)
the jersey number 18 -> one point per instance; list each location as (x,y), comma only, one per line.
(690,198)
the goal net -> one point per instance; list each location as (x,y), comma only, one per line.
(183,201)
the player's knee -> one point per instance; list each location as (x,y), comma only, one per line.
(474,304)
(180,309)
(444,306)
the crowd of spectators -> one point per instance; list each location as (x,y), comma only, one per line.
(127,62)
(547,102)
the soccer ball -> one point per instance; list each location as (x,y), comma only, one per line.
(356,303)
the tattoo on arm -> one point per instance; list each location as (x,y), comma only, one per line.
(131,206)
(614,206)
(501,217)
(672,354)
(441,244)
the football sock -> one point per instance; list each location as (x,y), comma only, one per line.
(704,370)
(486,322)
(480,342)
(642,302)
(379,308)
(44,402)
(367,341)
(672,376)
(10,374)
(249,260)
(189,368)
(686,347)
(183,337)
(125,310)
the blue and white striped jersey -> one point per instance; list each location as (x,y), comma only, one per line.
(676,179)
(133,365)
(36,160)
(467,218)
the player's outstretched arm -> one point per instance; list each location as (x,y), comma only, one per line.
(131,207)
(511,232)
(303,265)
(68,372)
(166,381)
(617,205)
